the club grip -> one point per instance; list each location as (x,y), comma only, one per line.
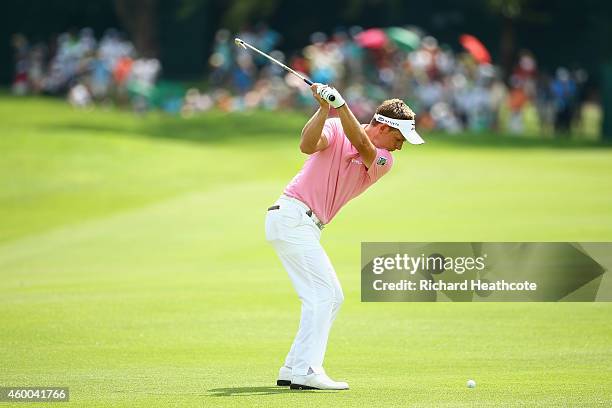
(330,98)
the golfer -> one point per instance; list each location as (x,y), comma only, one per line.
(345,158)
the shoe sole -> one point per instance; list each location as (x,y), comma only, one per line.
(302,387)
(307,387)
(283,383)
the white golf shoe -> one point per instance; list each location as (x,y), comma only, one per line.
(284,377)
(316,382)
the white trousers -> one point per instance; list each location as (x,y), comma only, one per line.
(295,237)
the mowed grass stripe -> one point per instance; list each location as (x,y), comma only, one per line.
(146,280)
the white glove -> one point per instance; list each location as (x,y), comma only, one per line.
(331,95)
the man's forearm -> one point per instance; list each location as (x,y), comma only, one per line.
(352,128)
(313,129)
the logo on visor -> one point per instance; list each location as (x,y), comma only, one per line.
(383,119)
(381,161)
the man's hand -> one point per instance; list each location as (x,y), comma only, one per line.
(314,88)
(329,95)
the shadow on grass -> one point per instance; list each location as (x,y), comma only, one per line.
(210,128)
(246,391)
(216,127)
(488,140)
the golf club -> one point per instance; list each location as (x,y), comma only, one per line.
(245,45)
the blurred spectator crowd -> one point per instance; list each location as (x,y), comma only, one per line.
(449,90)
(85,69)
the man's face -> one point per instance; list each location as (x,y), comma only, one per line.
(390,138)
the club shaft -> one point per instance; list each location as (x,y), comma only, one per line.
(286,68)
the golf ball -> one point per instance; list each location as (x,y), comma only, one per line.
(471,384)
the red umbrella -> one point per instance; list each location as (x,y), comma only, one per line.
(475,48)
(373,38)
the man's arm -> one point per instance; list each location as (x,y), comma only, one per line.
(351,126)
(357,135)
(313,139)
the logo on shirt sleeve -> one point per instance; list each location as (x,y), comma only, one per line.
(381,161)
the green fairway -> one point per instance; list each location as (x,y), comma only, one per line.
(135,271)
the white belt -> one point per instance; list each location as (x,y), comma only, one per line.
(309,212)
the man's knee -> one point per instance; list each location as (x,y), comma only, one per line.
(324,297)
(320,298)
(339,297)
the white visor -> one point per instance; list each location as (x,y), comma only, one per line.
(407,127)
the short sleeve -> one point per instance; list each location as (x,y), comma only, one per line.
(331,129)
(382,164)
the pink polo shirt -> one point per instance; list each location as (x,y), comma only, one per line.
(333,176)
